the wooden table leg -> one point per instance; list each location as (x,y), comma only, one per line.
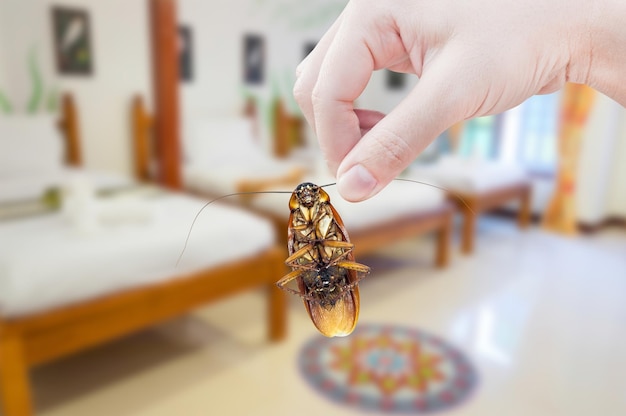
(444,236)
(277,317)
(15,392)
(469,229)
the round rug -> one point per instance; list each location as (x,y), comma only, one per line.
(388,368)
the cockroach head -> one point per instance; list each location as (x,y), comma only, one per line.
(307,194)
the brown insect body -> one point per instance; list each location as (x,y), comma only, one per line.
(322,261)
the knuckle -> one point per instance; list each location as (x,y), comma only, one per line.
(394,150)
(318,97)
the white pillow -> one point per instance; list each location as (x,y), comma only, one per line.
(219,142)
(30,145)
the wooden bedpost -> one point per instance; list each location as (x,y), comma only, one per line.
(164,26)
(142,140)
(71,133)
(15,394)
(287,131)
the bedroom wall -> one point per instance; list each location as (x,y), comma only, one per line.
(3,83)
(23,32)
(218,29)
(617,188)
(120,44)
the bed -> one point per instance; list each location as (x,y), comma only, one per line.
(401,211)
(477,186)
(49,309)
(221,155)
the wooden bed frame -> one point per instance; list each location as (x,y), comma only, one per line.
(28,341)
(480,202)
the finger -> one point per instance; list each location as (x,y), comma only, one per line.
(308,70)
(343,75)
(392,144)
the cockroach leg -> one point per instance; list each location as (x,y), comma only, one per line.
(358,267)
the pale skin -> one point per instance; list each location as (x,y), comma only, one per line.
(473,58)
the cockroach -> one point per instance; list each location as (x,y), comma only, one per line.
(321,258)
(322,262)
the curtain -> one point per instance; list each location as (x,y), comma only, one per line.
(560,215)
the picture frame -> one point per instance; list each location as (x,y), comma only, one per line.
(253,59)
(185,53)
(72,41)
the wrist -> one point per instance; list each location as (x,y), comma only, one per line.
(600,60)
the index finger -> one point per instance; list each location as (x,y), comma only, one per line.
(344,74)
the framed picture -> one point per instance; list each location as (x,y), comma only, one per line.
(395,80)
(72,41)
(253,59)
(185,53)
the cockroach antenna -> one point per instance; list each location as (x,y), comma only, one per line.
(457,196)
(217,199)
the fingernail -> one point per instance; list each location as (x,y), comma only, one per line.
(356,184)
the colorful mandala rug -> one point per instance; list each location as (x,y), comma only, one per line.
(388,368)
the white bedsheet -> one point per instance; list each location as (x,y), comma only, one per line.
(45,262)
(33,185)
(397,200)
(468,175)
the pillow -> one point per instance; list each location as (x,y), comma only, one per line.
(218,142)
(30,145)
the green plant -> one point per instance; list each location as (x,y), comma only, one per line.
(5,104)
(35,74)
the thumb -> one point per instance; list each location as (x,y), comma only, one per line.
(396,140)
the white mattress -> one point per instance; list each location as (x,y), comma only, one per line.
(468,175)
(46,261)
(397,200)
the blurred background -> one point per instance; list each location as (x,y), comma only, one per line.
(188,97)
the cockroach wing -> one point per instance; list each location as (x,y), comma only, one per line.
(339,320)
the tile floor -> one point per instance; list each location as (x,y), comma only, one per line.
(542,317)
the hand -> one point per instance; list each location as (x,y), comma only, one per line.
(473,58)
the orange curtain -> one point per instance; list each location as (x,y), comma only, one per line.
(560,215)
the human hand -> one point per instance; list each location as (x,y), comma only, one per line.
(473,58)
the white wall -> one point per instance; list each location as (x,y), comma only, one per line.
(617,187)
(218,28)
(24,27)
(3,60)
(120,45)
